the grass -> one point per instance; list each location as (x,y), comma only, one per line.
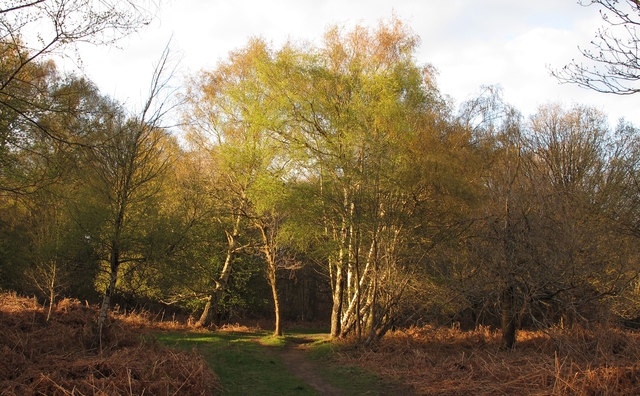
(350,378)
(354,380)
(249,363)
(243,366)
(272,341)
(322,349)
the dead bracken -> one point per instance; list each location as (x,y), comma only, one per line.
(54,358)
(446,361)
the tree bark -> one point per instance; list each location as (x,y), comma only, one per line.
(354,307)
(106,300)
(338,289)
(277,332)
(207,317)
(270,255)
(336,309)
(52,291)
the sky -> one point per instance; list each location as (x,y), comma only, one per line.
(512,44)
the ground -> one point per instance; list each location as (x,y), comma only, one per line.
(300,363)
(139,356)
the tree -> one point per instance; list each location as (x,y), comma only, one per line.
(584,258)
(498,127)
(123,172)
(542,253)
(200,217)
(59,24)
(31,32)
(62,261)
(38,177)
(381,171)
(614,52)
(27,153)
(232,119)
(338,127)
(364,123)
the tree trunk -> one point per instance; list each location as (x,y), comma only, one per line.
(52,297)
(336,309)
(373,320)
(52,292)
(357,296)
(351,257)
(269,251)
(509,318)
(277,332)
(354,307)
(207,317)
(338,290)
(106,300)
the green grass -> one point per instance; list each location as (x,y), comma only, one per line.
(243,366)
(353,380)
(249,363)
(322,349)
(279,342)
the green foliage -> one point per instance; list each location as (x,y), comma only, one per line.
(342,157)
(14,248)
(273,341)
(247,292)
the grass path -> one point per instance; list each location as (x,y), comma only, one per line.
(306,370)
(297,364)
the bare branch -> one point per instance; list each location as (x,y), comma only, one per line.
(614,55)
(18,7)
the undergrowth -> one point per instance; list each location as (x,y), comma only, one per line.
(55,358)
(445,361)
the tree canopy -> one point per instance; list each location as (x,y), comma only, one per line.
(331,181)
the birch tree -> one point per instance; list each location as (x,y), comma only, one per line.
(122,174)
(32,33)
(231,119)
(343,122)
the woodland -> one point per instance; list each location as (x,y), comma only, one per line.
(332,184)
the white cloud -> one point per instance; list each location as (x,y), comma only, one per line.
(471,43)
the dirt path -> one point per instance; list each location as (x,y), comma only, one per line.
(294,357)
(295,360)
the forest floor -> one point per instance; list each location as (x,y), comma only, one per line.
(425,361)
(300,363)
(56,357)
(598,360)
(138,356)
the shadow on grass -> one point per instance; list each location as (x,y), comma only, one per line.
(251,363)
(243,366)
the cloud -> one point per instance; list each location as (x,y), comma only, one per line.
(471,43)
(520,62)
